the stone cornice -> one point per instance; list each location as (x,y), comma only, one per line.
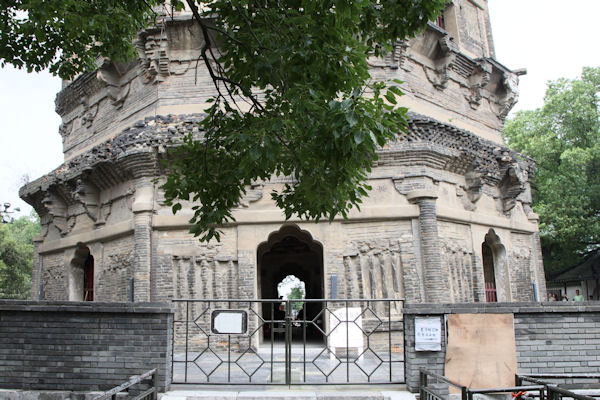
(132,154)
(135,153)
(455,150)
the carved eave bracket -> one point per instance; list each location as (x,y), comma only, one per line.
(393,59)
(503,88)
(253,194)
(57,209)
(153,53)
(445,57)
(88,195)
(483,164)
(480,77)
(511,186)
(473,189)
(89,113)
(65,130)
(508,94)
(111,75)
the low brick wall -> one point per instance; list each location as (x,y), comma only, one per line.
(551,337)
(82,346)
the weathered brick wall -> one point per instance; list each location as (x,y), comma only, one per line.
(82,346)
(111,280)
(564,339)
(54,277)
(551,337)
(522,267)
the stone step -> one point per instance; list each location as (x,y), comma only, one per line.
(333,392)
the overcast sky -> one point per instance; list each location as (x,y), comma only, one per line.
(550,38)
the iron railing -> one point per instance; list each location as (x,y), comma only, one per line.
(307,341)
(433,386)
(557,385)
(149,393)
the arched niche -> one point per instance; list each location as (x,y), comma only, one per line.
(81,274)
(290,251)
(493,254)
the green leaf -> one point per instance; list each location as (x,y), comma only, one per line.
(351,118)
(359,137)
(390,97)
(396,90)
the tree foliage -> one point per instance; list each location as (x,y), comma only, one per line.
(68,36)
(301,66)
(16,256)
(564,138)
(296,293)
(293,98)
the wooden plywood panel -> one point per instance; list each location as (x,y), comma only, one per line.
(481,350)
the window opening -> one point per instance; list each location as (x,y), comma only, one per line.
(439,21)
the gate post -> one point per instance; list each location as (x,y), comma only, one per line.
(288,342)
(422,384)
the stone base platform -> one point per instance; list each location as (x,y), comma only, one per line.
(309,392)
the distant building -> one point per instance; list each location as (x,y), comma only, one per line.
(584,276)
(449,218)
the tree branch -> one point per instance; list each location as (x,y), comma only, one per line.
(207,47)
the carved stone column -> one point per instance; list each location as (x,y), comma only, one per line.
(36,270)
(435,281)
(142,219)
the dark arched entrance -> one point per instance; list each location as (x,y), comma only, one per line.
(81,274)
(88,279)
(291,251)
(492,253)
(489,274)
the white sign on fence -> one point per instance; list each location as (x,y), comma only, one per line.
(346,325)
(229,321)
(428,334)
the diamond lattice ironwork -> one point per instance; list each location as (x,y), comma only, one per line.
(367,361)
(368,316)
(202,316)
(326,361)
(206,359)
(248,359)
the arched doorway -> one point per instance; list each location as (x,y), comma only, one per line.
(81,274)
(291,252)
(492,254)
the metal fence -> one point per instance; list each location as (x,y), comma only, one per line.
(571,386)
(433,386)
(305,341)
(126,390)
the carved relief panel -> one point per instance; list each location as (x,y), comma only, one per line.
(457,259)
(54,283)
(204,277)
(373,270)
